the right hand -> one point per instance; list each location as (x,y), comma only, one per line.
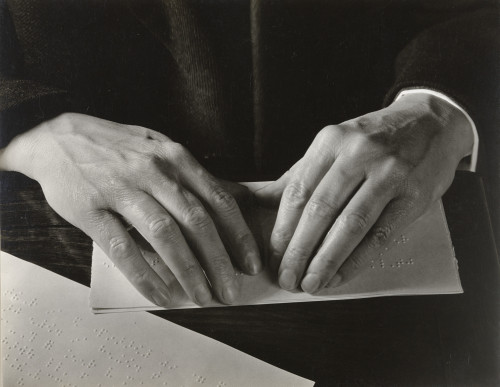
(95,173)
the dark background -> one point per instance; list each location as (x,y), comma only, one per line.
(318,63)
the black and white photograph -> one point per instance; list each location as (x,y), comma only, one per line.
(250,193)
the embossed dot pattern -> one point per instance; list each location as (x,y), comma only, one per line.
(418,260)
(49,337)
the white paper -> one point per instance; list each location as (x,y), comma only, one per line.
(420,261)
(51,338)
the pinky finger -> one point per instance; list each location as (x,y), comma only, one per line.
(109,233)
(177,293)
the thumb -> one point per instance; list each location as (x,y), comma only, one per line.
(270,195)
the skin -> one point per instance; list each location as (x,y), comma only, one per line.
(358,185)
(102,176)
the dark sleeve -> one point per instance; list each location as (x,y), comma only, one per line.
(24,103)
(461,58)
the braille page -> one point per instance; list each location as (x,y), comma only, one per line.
(419,261)
(50,338)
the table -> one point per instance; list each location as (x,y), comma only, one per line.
(417,340)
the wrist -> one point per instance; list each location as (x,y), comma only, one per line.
(454,126)
(20,154)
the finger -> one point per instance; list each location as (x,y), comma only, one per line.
(395,218)
(109,233)
(270,194)
(158,265)
(346,233)
(297,192)
(200,232)
(323,207)
(156,225)
(239,192)
(232,227)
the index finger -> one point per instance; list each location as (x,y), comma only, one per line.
(396,216)
(346,233)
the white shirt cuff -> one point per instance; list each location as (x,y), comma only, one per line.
(473,161)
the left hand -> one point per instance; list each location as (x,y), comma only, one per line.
(358,184)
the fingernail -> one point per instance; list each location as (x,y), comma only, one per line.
(202,295)
(336,280)
(253,263)
(229,294)
(310,283)
(288,279)
(161,297)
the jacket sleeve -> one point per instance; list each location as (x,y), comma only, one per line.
(24,103)
(461,58)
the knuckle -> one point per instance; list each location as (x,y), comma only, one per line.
(146,132)
(220,263)
(399,166)
(361,142)
(146,162)
(414,194)
(63,123)
(296,195)
(394,174)
(329,262)
(189,270)
(223,199)
(357,262)
(176,151)
(364,123)
(389,124)
(94,199)
(67,117)
(139,277)
(325,142)
(358,145)
(92,217)
(244,239)
(151,161)
(170,185)
(328,133)
(298,255)
(353,223)
(199,171)
(197,216)
(346,174)
(161,227)
(319,207)
(382,188)
(119,247)
(380,236)
(281,235)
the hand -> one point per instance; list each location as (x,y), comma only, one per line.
(101,176)
(360,183)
